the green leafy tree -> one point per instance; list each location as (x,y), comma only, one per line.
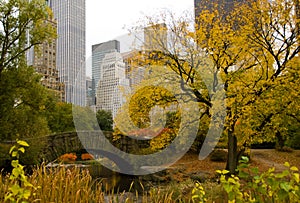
(105,120)
(60,118)
(18,20)
(84,118)
(23,101)
(22,97)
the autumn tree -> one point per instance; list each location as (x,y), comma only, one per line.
(251,53)
(274,31)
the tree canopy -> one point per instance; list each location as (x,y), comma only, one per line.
(251,52)
(105,120)
(23,99)
(22,26)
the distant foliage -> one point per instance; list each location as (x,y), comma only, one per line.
(294,138)
(105,120)
(70,157)
(285,149)
(87,156)
(60,118)
(163,139)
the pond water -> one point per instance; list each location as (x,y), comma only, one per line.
(122,182)
(111,180)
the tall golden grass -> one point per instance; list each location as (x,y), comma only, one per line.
(59,185)
(74,185)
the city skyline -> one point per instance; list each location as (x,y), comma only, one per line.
(125,14)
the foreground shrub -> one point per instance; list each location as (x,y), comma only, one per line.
(198,193)
(252,186)
(19,189)
(47,184)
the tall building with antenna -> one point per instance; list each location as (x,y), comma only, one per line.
(70,53)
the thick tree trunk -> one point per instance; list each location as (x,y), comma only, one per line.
(280,140)
(232,157)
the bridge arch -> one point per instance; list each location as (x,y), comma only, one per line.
(53,146)
(59,144)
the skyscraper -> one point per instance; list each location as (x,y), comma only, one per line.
(89,98)
(134,72)
(155,36)
(98,53)
(43,58)
(224,6)
(70,59)
(111,83)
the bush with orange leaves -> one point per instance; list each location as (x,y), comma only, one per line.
(87,156)
(70,157)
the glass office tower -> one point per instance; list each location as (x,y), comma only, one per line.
(70,17)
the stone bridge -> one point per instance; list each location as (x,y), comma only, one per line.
(59,144)
(53,146)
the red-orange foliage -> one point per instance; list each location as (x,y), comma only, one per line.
(87,156)
(68,157)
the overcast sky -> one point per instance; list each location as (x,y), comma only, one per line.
(107,20)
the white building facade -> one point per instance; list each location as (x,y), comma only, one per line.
(112,83)
(98,53)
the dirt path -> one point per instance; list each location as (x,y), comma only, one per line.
(266,158)
(190,165)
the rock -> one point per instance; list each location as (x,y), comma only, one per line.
(199,176)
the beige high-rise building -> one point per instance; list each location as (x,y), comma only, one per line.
(43,58)
(155,37)
(133,71)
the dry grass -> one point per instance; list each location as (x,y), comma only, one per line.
(59,185)
(63,185)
